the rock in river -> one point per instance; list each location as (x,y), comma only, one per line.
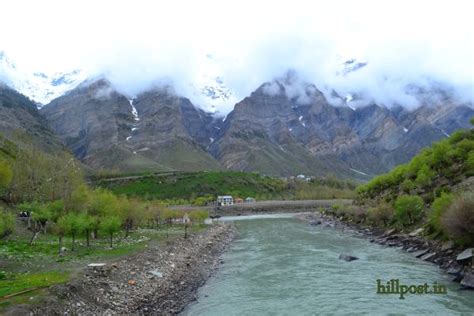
(468,281)
(347,257)
(465,255)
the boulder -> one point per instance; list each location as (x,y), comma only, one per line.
(465,255)
(468,281)
(315,222)
(347,258)
(420,253)
(389,232)
(448,245)
(156,273)
(428,256)
(416,232)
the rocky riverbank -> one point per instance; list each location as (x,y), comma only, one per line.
(161,280)
(453,260)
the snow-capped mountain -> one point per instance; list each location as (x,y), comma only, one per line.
(39,86)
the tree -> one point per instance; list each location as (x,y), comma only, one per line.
(110,226)
(408,209)
(6,175)
(439,206)
(72,224)
(457,221)
(198,216)
(381,214)
(7,223)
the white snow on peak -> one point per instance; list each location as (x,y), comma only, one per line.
(290,129)
(348,99)
(211,139)
(304,125)
(300,118)
(38,86)
(405,130)
(129,137)
(134,129)
(359,172)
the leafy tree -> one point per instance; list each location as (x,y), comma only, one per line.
(408,209)
(198,216)
(381,214)
(439,206)
(111,225)
(457,221)
(73,225)
(6,175)
(7,223)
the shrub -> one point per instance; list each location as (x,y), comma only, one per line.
(439,206)
(357,213)
(457,221)
(408,209)
(381,214)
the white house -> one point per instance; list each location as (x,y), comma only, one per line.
(225,200)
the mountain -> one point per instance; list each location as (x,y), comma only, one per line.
(272,132)
(39,87)
(275,131)
(21,121)
(154,131)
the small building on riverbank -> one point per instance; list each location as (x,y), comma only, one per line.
(250,200)
(225,200)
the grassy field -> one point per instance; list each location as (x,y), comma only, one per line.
(188,186)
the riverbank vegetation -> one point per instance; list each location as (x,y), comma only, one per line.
(434,191)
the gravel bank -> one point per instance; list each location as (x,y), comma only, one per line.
(161,280)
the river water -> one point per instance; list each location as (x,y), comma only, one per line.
(281,266)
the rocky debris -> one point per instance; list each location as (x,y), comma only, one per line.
(421,253)
(347,258)
(162,279)
(468,281)
(315,222)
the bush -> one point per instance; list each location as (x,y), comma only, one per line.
(357,213)
(7,223)
(457,221)
(381,214)
(5,175)
(408,209)
(439,206)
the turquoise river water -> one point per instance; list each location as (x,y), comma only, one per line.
(279,265)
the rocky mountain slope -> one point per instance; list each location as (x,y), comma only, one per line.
(154,131)
(273,131)
(21,121)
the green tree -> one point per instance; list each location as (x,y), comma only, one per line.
(458,220)
(408,209)
(7,223)
(111,225)
(73,225)
(439,206)
(6,175)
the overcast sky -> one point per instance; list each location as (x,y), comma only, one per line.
(138,42)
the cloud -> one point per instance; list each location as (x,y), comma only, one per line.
(139,44)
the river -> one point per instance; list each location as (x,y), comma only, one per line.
(279,265)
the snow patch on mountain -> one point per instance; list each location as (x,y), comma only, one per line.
(38,86)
